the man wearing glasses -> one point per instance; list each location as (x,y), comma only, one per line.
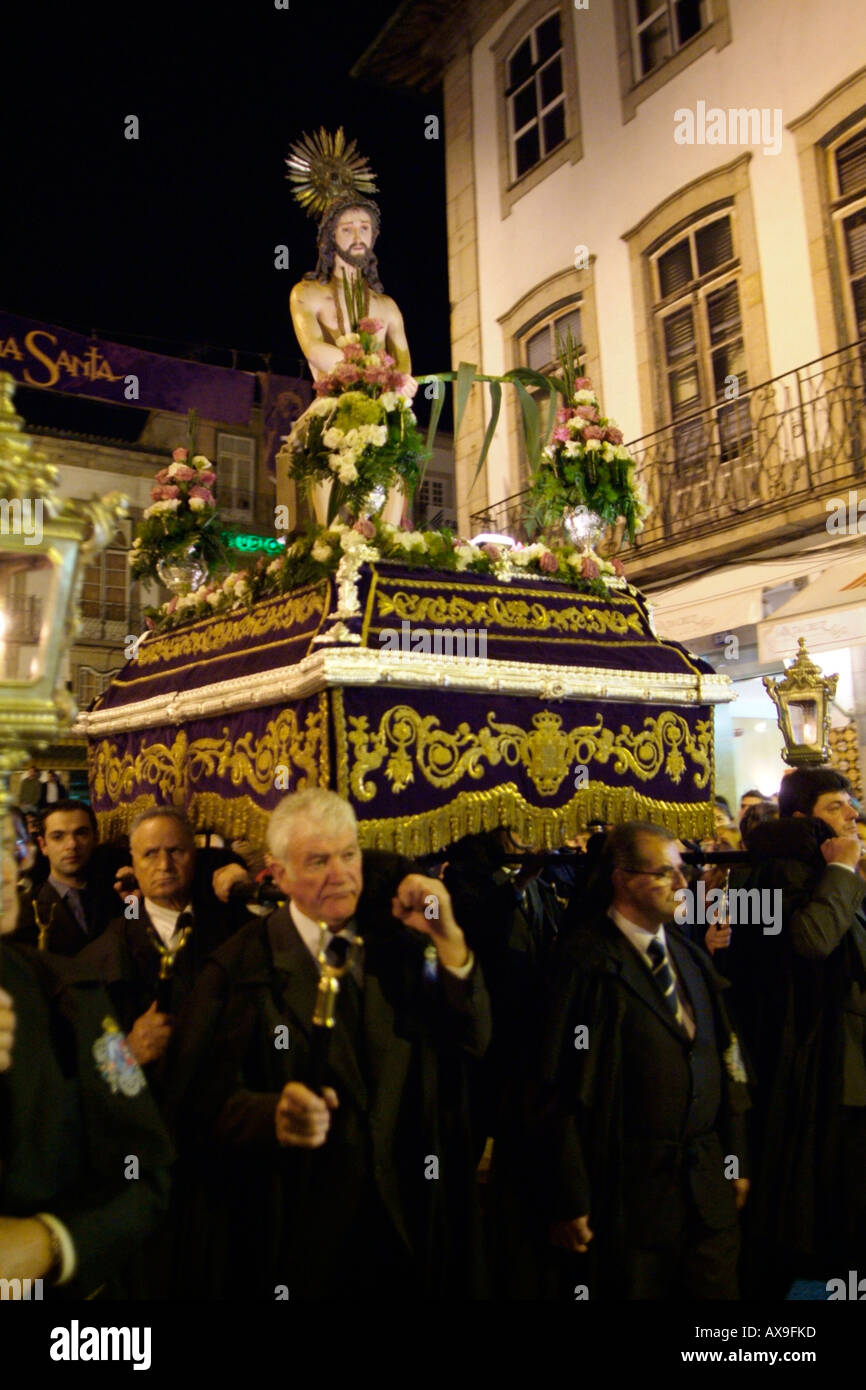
(646,1094)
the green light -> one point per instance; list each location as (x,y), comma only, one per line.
(247,542)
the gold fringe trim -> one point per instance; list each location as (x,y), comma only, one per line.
(548,828)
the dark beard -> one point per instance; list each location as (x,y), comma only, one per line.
(358,259)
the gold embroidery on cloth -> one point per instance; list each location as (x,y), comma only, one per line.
(214,633)
(245,761)
(406,741)
(444,610)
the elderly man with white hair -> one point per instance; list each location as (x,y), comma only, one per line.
(364,1187)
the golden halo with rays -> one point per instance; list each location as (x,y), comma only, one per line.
(325,167)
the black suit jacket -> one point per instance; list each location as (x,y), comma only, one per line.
(285,1211)
(64,936)
(68,1124)
(642,1120)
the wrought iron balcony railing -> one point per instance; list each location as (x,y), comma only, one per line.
(800,433)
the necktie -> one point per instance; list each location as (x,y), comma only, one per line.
(661,969)
(73,900)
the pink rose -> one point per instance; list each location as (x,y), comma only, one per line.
(365,528)
(589,569)
(563,414)
(172,604)
(352,351)
(162,475)
(346,373)
(582,383)
(492,552)
(370,326)
(618,566)
(149,624)
(180,455)
(182,473)
(387,359)
(593,432)
(586,412)
(164,494)
(204,493)
(547,562)
(612,435)
(562,434)
(207,477)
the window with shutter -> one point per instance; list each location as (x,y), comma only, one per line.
(701,341)
(235,481)
(848,169)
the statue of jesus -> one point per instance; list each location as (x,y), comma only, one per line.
(320,314)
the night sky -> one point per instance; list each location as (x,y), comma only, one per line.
(167,242)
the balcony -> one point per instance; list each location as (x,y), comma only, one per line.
(109,623)
(744,474)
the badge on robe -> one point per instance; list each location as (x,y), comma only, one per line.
(115,1062)
(733,1059)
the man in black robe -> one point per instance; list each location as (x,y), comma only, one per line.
(643,1143)
(801,994)
(364,1188)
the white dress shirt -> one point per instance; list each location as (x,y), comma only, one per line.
(164,921)
(640,939)
(311,934)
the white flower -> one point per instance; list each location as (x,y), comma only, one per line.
(200,462)
(136,543)
(622,453)
(378,435)
(390,400)
(346,338)
(466,554)
(592,444)
(347,472)
(572,448)
(171,504)
(323,406)
(332,438)
(275,566)
(197,504)
(352,540)
(214,599)
(585,398)
(321,552)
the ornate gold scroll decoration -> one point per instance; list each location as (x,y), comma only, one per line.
(213,634)
(444,610)
(253,764)
(406,741)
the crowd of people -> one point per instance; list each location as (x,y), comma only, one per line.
(540,1079)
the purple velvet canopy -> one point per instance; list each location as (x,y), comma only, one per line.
(436,704)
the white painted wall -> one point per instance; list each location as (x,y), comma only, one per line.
(785,54)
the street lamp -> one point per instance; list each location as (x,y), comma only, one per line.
(45,543)
(802,699)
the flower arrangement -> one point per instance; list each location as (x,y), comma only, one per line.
(585,464)
(182,521)
(317,554)
(359,434)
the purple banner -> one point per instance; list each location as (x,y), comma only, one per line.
(283,398)
(41,354)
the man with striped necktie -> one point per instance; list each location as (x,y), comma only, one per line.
(646,1094)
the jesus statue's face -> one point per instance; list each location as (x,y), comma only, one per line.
(354,236)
